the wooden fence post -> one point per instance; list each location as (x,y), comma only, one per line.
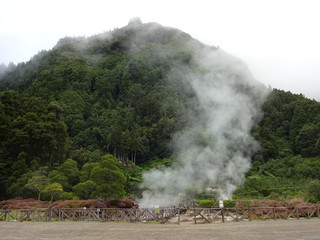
(194,216)
(237,215)
(33,215)
(103,215)
(117,215)
(179,215)
(249,213)
(222,214)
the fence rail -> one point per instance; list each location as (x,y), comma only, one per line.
(162,215)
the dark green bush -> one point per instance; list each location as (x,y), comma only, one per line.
(212,203)
(314,191)
(229,203)
(67,196)
(205,203)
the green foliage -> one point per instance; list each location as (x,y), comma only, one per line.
(289,160)
(259,186)
(215,203)
(313,189)
(110,97)
(56,176)
(37,184)
(85,189)
(53,190)
(205,203)
(125,95)
(291,167)
(66,196)
(109,179)
(70,169)
(85,172)
(291,125)
(16,187)
(229,203)
(157,163)
(83,156)
(19,167)
(31,134)
(113,190)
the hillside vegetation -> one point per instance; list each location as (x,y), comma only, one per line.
(83,119)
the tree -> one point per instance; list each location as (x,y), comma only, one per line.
(66,196)
(306,141)
(84,190)
(81,156)
(70,169)
(20,166)
(29,128)
(109,179)
(59,177)
(16,187)
(110,191)
(85,172)
(53,190)
(314,190)
(37,184)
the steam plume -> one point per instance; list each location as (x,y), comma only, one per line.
(215,148)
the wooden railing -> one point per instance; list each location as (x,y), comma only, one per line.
(162,215)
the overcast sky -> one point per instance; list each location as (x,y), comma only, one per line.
(279,40)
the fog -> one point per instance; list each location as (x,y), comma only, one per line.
(214,150)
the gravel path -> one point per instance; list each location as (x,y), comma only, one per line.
(306,229)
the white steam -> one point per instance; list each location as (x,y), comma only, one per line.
(215,149)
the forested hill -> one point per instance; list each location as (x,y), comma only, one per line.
(70,114)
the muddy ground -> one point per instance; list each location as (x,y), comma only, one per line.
(306,229)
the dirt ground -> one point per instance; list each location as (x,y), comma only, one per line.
(306,229)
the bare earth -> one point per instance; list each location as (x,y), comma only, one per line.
(306,229)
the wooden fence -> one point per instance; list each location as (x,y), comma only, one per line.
(161,215)
(211,215)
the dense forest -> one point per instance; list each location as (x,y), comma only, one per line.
(83,120)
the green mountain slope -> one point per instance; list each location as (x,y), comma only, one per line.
(121,93)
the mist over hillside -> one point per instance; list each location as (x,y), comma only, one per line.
(110,105)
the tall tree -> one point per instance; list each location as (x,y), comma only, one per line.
(109,179)
(38,184)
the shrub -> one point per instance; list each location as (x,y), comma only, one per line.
(66,196)
(274,195)
(205,203)
(212,203)
(314,191)
(229,203)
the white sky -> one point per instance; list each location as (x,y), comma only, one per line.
(278,39)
